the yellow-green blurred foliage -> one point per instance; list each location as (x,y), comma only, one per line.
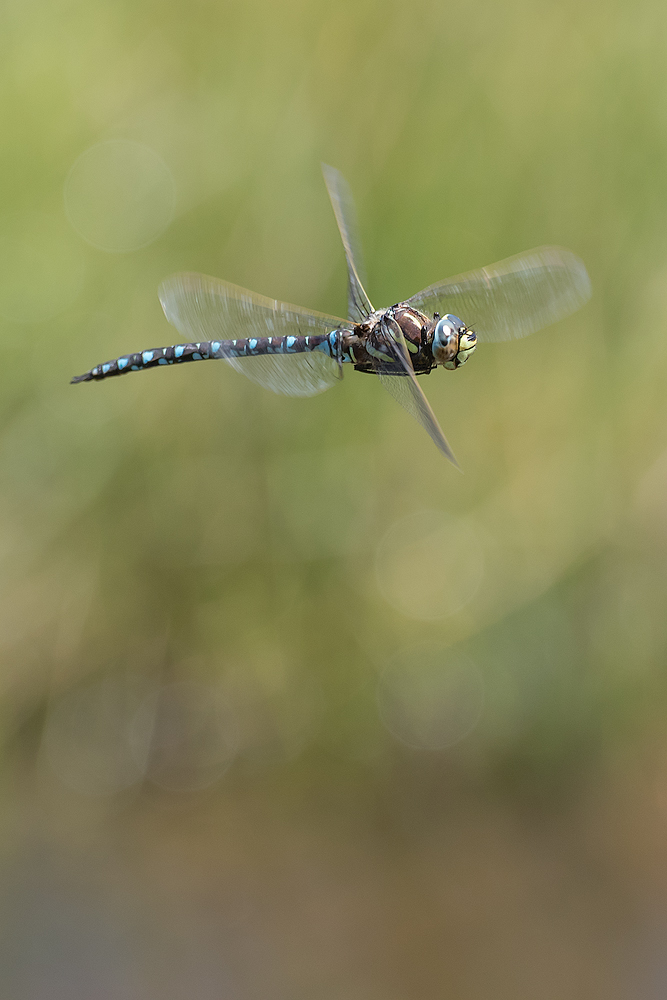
(291,708)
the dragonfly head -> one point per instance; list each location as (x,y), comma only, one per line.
(453,342)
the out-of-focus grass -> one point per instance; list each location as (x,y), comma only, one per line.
(168,500)
(190,511)
(187,526)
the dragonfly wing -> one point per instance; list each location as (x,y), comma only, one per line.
(304,374)
(358,303)
(514,297)
(209,309)
(406,390)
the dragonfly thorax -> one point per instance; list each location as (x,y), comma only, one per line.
(370,341)
(453,342)
(415,326)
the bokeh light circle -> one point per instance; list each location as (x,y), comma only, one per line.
(430,697)
(120,195)
(182,737)
(429,565)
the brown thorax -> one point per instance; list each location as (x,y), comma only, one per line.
(367,339)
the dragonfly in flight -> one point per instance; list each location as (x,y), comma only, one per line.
(301,352)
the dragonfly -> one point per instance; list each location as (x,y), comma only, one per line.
(300,352)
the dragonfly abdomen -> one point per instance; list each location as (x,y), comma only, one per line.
(147,359)
(209,349)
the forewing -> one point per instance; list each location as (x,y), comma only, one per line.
(203,308)
(358,303)
(406,390)
(514,297)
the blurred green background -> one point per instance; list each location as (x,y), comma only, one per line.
(290,708)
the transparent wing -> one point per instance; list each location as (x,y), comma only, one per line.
(514,297)
(406,390)
(203,308)
(304,374)
(358,303)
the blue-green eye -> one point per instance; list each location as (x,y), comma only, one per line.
(446,338)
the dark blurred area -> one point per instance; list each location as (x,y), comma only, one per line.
(290,708)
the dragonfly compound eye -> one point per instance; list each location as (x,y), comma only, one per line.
(446,340)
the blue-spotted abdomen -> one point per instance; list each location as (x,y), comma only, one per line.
(204,350)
